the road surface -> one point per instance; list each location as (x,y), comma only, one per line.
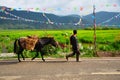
(60,69)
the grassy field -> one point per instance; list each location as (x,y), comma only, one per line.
(103,36)
(85,37)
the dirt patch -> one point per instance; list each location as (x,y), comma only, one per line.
(108,54)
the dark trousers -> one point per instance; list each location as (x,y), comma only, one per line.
(74,52)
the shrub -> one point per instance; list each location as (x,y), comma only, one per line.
(87,51)
(116,45)
(106,48)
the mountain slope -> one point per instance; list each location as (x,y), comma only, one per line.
(37,20)
(110,18)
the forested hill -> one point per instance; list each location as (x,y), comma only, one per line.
(18,19)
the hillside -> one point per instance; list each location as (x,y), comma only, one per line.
(104,16)
(17,19)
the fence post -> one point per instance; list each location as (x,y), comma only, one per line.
(94,20)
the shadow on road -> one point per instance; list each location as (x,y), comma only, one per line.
(55,61)
(16,62)
(11,62)
(50,61)
(8,62)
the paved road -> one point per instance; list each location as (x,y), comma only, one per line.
(60,69)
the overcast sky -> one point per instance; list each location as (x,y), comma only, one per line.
(63,7)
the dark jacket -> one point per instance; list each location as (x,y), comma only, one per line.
(74,42)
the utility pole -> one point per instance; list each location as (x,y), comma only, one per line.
(94,20)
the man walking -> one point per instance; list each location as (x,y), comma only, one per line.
(74,43)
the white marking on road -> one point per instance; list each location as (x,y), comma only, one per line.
(10,77)
(105,73)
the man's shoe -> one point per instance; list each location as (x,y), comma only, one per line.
(78,60)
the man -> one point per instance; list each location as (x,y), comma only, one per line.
(74,43)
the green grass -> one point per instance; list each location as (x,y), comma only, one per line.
(102,35)
(7,37)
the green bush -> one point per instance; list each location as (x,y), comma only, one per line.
(116,45)
(87,51)
(105,48)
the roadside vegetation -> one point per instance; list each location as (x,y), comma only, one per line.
(107,41)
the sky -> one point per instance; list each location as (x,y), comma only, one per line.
(63,7)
